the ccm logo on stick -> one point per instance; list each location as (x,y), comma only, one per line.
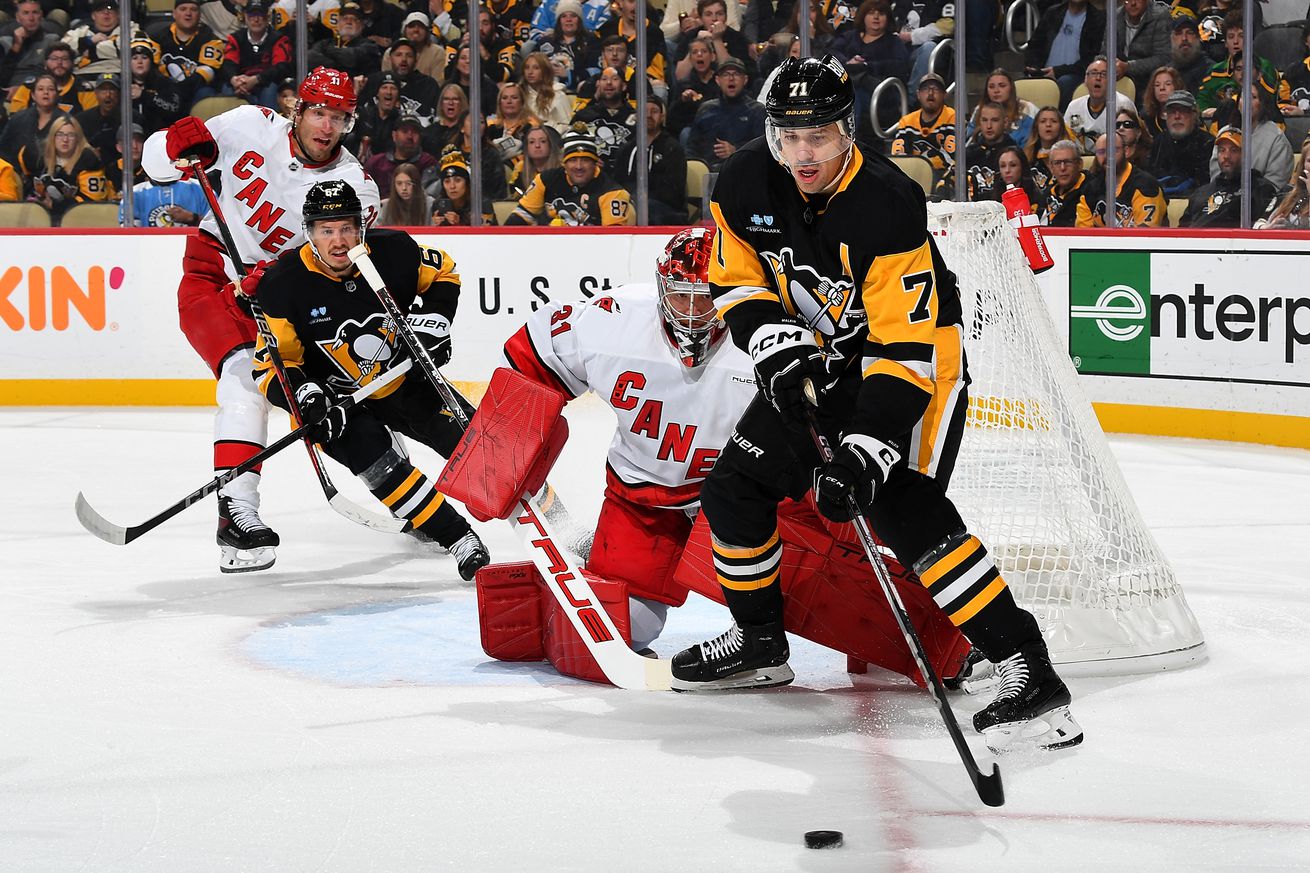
(559,571)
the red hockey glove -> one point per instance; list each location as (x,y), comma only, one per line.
(249,286)
(189,138)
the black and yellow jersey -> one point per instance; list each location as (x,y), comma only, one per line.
(858,268)
(193,61)
(84,182)
(334,331)
(1060,208)
(552,199)
(514,16)
(934,141)
(1138,200)
(73,97)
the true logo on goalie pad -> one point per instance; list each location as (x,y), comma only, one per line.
(558,568)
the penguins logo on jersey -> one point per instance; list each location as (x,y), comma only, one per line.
(568,213)
(360,352)
(821,302)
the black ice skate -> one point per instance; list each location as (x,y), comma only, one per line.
(1031,707)
(246,543)
(740,657)
(471,554)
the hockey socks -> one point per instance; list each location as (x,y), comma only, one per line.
(414,497)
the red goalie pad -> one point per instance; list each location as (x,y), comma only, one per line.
(833,598)
(514,439)
(522,621)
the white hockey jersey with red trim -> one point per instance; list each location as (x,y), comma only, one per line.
(263,183)
(672,421)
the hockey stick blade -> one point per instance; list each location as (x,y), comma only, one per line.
(348,508)
(118,535)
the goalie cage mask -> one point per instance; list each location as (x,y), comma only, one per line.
(691,323)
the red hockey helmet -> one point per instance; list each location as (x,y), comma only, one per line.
(691,324)
(327,87)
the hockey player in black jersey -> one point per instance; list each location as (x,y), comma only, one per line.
(334,337)
(824,271)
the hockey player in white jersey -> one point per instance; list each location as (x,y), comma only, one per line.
(656,356)
(266,164)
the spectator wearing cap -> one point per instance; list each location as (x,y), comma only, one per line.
(1143,28)
(726,41)
(1067,37)
(696,83)
(666,173)
(418,92)
(95,43)
(613,53)
(406,137)
(577,194)
(156,99)
(610,116)
(190,53)
(100,125)
(71,95)
(571,48)
(23,43)
(114,169)
(452,193)
(1180,157)
(1271,154)
(429,58)
(376,117)
(1218,203)
(349,50)
(728,122)
(1186,55)
(256,58)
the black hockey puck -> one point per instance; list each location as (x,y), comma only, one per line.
(822,839)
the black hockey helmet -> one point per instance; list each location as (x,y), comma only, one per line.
(810,92)
(329,200)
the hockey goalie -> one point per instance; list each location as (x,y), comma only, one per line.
(655,354)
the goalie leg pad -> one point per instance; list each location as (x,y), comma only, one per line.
(510,611)
(565,649)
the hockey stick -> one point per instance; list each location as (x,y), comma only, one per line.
(121,536)
(621,666)
(339,502)
(988,785)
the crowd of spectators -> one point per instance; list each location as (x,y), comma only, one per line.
(559,112)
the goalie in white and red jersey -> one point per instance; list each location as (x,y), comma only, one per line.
(266,164)
(655,354)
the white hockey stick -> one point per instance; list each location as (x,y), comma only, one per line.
(621,666)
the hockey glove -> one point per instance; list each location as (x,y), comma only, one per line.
(433,332)
(858,468)
(785,355)
(189,138)
(316,408)
(248,288)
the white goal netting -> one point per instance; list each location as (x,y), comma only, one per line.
(1036,480)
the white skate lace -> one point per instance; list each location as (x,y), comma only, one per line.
(465,546)
(724,644)
(245,516)
(1014,677)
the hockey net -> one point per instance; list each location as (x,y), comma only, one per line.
(1036,480)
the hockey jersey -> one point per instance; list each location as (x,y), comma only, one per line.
(1138,202)
(263,183)
(333,330)
(600,202)
(672,421)
(190,62)
(933,140)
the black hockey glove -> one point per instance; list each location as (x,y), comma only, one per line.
(316,408)
(433,332)
(785,355)
(857,469)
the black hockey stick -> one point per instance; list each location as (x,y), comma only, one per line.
(341,504)
(121,536)
(988,785)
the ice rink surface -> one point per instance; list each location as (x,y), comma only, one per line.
(336,713)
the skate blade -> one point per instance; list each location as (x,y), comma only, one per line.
(765,677)
(1049,731)
(233,560)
